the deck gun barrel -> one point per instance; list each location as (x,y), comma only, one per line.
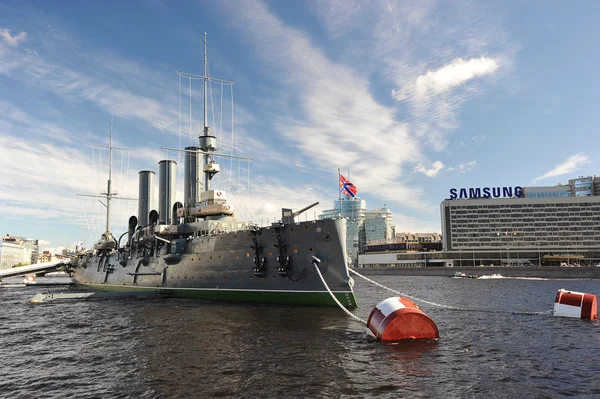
(305,209)
(287,216)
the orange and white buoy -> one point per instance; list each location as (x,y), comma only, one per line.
(397,319)
(575,304)
(29,279)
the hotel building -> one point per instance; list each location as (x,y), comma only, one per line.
(558,225)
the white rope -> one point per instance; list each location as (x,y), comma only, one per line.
(400,293)
(315,261)
(444,306)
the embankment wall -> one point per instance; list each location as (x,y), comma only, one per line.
(541,272)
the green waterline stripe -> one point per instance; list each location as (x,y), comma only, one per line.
(319,298)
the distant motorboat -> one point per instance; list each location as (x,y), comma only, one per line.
(463,275)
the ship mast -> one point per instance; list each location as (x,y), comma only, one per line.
(108,193)
(207,143)
(204,87)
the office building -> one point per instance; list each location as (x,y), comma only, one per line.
(362,225)
(379,225)
(11,252)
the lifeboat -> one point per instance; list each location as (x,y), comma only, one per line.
(216,209)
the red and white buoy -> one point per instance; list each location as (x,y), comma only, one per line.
(397,319)
(575,304)
(29,279)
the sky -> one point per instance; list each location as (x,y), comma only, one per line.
(407,98)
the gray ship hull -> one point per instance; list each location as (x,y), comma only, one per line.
(266,265)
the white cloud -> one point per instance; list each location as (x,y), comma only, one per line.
(450,76)
(572,163)
(435,168)
(40,69)
(333,125)
(463,167)
(12,40)
(44,179)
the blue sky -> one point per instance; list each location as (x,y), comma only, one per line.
(411,98)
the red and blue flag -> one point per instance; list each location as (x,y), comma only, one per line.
(347,187)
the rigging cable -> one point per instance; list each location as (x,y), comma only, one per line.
(232,133)
(191,109)
(239,198)
(179,154)
(221,113)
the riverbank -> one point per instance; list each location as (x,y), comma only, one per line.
(539,272)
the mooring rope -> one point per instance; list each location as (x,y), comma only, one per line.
(315,261)
(444,306)
(400,293)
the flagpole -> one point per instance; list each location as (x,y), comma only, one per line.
(353,217)
(340,192)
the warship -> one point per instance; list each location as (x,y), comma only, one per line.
(199,249)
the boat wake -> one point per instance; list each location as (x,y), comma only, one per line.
(491,276)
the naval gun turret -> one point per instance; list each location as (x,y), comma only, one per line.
(287,216)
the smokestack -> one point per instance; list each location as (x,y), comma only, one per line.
(146,196)
(176,206)
(166,189)
(192,185)
(131,229)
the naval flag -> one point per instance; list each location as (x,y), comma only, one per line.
(346,187)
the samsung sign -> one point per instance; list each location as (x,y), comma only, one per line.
(486,192)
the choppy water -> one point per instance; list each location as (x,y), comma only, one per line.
(156,347)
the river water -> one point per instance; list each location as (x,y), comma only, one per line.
(179,348)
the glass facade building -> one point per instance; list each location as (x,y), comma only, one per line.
(353,209)
(362,225)
(379,225)
(547,191)
(582,186)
